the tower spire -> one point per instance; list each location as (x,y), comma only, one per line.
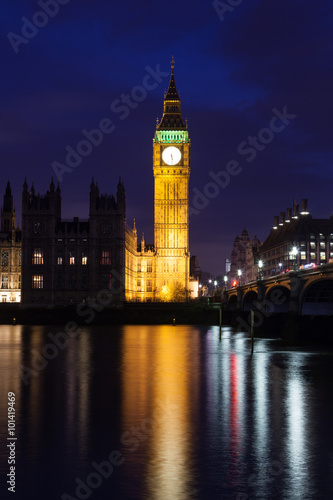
(172,117)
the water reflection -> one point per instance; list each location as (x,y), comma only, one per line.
(161,385)
(195,416)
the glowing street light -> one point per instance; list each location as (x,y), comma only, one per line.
(280,266)
(239,272)
(225,281)
(294,253)
(260,266)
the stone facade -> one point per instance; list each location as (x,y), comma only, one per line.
(72,261)
(244,257)
(10,251)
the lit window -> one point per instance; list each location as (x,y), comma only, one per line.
(4,281)
(149,266)
(71,258)
(313,256)
(313,244)
(303,255)
(5,258)
(38,256)
(37,281)
(84,259)
(322,256)
(59,260)
(139,286)
(106,257)
(149,286)
(322,244)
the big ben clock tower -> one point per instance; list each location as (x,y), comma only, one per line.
(171,164)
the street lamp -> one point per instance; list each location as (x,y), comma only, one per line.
(294,253)
(225,282)
(215,284)
(239,272)
(280,266)
(260,264)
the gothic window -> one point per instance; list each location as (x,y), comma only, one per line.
(71,281)
(38,256)
(84,281)
(59,281)
(84,260)
(149,266)
(106,281)
(105,229)
(149,286)
(37,281)
(71,258)
(20,259)
(59,258)
(106,257)
(37,227)
(5,258)
(4,281)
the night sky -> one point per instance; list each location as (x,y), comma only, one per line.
(255,69)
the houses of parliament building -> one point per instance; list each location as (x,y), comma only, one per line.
(62,262)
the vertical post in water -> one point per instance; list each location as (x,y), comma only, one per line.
(252,330)
(220,320)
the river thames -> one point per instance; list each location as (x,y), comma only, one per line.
(164,413)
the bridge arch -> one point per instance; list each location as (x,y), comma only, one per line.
(250,297)
(232,302)
(317,297)
(277,298)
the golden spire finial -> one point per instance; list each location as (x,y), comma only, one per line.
(172,63)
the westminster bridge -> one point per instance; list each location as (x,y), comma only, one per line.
(304,292)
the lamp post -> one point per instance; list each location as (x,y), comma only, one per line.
(294,253)
(239,272)
(260,264)
(225,282)
(280,266)
(215,284)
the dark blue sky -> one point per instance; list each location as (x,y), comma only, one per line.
(231,74)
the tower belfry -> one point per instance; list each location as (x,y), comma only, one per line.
(171,165)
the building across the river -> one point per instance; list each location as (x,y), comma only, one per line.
(72,261)
(10,251)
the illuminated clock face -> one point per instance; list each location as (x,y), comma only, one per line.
(171,155)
